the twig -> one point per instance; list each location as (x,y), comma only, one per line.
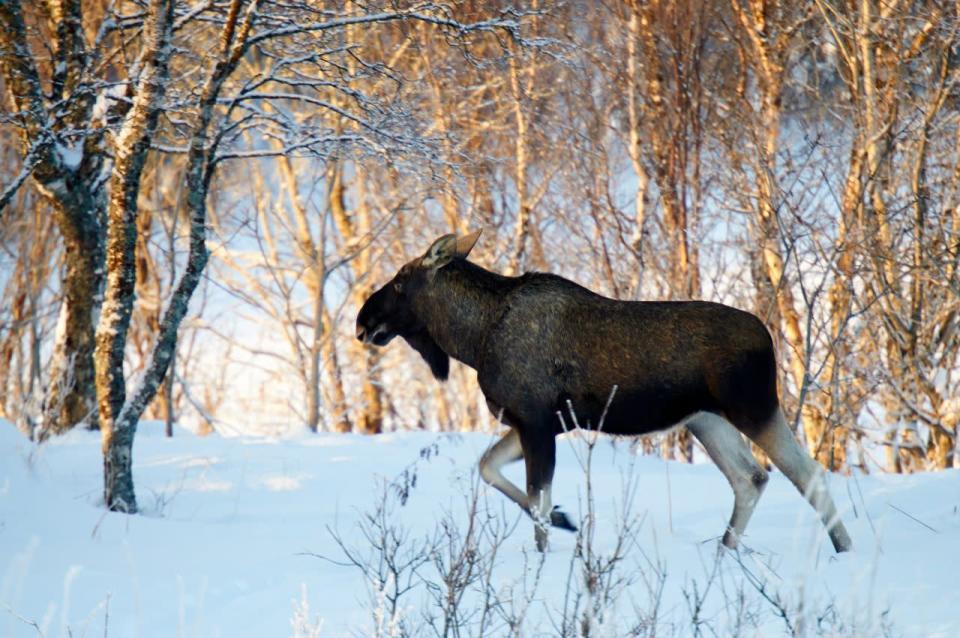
(913,518)
(31,623)
(863,501)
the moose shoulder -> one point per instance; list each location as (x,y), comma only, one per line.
(539,341)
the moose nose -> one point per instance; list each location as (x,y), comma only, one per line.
(361,333)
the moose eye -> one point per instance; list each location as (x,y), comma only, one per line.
(398,286)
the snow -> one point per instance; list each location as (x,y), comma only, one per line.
(70,156)
(105,99)
(228,540)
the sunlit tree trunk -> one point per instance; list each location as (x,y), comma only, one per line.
(338,416)
(522,233)
(634,150)
(353,227)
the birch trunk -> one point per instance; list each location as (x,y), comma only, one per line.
(118,420)
(118,439)
(71,396)
(312,254)
(339,419)
(371,420)
(521,231)
(13,336)
(353,228)
(634,151)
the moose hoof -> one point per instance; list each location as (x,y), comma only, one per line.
(559,518)
(730,539)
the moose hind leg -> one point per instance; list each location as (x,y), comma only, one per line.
(729,451)
(778,442)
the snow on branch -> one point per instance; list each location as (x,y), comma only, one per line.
(323,60)
(422,13)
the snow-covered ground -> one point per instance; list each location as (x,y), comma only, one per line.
(232,528)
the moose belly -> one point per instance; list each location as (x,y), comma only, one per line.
(633,410)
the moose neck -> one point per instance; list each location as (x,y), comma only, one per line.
(460,305)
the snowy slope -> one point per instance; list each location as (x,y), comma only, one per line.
(231,530)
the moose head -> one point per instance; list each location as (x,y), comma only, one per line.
(391,310)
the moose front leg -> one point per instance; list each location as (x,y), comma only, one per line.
(537,500)
(540,454)
(539,494)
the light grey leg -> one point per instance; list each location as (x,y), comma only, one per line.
(778,442)
(728,449)
(506,450)
(540,507)
(542,504)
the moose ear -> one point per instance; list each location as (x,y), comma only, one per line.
(466,243)
(448,247)
(440,253)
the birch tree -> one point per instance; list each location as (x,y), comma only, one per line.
(768,37)
(63,154)
(28,254)
(900,69)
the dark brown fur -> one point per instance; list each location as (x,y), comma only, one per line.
(539,340)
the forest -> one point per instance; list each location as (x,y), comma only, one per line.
(196,196)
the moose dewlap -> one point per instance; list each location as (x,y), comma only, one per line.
(539,342)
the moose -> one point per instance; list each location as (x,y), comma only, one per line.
(542,344)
